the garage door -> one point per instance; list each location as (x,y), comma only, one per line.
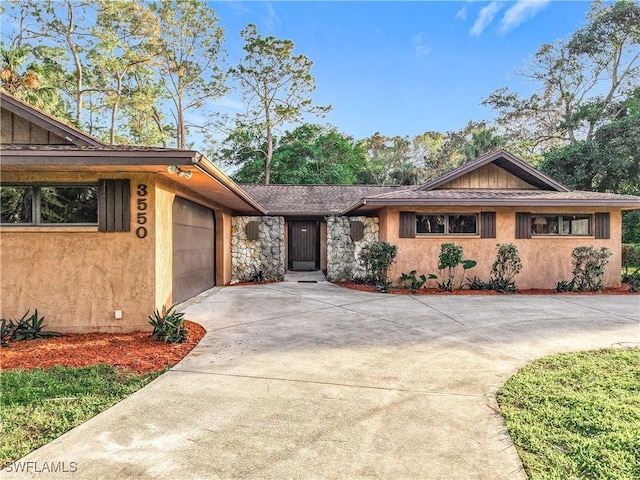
(193,249)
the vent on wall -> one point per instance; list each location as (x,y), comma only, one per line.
(253,230)
(357,231)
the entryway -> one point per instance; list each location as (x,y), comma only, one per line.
(304,245)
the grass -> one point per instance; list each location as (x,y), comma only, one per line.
(577,416)
(40,405)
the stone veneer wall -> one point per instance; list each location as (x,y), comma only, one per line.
(266,254)
(343,253)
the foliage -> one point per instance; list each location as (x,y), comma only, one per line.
(576,415)
(565,286)
(168,325)
(258,275)
(310,154)
(29,327)
(449,259)
(484,140)
(376,258)
(506,266)
(40,405)
(414,283)
(276,87)
(631,226)
(579,81)
(631,265)
(588,267)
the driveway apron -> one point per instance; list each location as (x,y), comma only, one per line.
(309,380)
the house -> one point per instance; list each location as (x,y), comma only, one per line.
(97,236)
(497,198)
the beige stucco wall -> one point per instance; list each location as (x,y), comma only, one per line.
(545,260)
(77,277)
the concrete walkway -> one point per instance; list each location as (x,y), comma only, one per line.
(308,380)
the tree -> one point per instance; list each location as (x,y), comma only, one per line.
(310,154)
(386,155)
(580,81)
(127,38)
(32,83)
(190,57)
(276,86)
(482,141)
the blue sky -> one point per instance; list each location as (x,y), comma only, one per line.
(403,68)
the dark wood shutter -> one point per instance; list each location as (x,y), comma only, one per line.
(602,225)
(114,209)
(357,231)
(253,230)
(488,225)
(407,224)
(523,225)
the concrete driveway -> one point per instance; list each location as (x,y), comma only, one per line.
(299,380)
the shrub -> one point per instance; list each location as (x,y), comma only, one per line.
(505,268)
(476,283)
(588,267)
(414,283)
(376,259)
(27,328)
(448,260)
(168,325)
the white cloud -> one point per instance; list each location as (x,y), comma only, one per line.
(271,18)
(518,13)
(462,14)
(229,103)
(420,47)
(485,17)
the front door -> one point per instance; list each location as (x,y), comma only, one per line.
(304,245)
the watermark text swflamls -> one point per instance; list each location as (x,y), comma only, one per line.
(41,467)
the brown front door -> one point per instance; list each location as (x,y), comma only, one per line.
(304,245)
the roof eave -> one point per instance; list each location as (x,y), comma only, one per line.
(28,157)
(623,203)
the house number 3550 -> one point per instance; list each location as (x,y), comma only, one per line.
(141,217)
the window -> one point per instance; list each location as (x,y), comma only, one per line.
(446,224)
(49,204)
(543,224)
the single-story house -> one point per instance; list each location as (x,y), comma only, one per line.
(98,236)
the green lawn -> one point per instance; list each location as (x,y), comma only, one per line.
(577,416)
(39,406)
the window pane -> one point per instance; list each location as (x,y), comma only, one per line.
(575,224)
(463,224)
(430,223)
(545,225)
(16,204)
(69,204)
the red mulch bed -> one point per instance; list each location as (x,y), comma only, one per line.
(623,290)
(249,282)
(135,351)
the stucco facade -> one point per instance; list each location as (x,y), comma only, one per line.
(545,259)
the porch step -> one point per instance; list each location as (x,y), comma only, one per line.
(305,277)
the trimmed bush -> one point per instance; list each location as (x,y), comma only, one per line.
(376,259)
(588,267)
(505,268)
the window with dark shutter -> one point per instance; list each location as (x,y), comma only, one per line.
(602,225)
(407,224)
(523,225)
(488,225)
(114,210)
(357,231)
(253,230)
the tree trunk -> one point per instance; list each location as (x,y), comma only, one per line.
(76,59)
(267,161)
(180,126)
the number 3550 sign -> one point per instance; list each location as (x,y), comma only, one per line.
(141,214)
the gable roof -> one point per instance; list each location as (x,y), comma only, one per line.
(46,121)
(312,200)
(504,160)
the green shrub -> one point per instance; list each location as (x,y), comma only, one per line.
(414,283)
(588,267)
(448,261)
(505,268)
(27,328)
(476,283)
(168,326)
(376,259)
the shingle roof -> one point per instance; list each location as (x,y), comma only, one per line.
(312,200)
(495,198)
